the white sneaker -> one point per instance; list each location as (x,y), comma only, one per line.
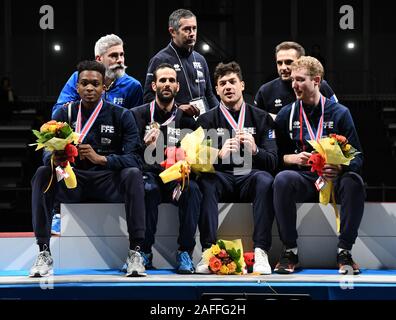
(43,266)
(261,264)
(135,264)
(202,267)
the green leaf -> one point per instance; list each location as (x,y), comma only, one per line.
(221,244)
(65,132)
(234,254)
(37,133)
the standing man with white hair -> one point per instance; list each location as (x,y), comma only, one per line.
(121,88)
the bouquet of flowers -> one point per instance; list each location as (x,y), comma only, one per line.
(58,136)
(225,257)
(335,150)
(194,155)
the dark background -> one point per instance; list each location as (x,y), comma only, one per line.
(247,31)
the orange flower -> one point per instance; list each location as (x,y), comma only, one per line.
(214,264)
(340,139)
(231,267)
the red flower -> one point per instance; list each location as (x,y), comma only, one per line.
(317,162)
(222,254)
(215,264)
(70,152)
(173,155)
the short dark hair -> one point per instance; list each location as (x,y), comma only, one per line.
(174,18)
(223,69)
(162,66)
(286,45)
(91,65)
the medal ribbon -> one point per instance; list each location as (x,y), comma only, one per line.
(84,131)
(230,119)
(319,130)
(152,109)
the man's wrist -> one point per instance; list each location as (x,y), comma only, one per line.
(255,152)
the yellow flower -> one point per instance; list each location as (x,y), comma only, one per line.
(333,141)
(215,249)
(224,269)
(346,147)
(49,126)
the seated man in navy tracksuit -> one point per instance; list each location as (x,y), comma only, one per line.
(160,124)
(310,117)
(107,168)
(247,155)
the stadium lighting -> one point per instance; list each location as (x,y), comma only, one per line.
(57,47)
(350,45)
(205,47)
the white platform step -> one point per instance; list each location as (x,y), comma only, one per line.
(95,236)
(87,227)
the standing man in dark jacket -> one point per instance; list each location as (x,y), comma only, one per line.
(160,125)
(108,168)
(274,95)
(247,156)
(195,94)
(310,117)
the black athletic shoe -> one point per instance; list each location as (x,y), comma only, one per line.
(288,262)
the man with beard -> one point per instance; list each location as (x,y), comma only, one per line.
(107,168)
(160,124)
(121,88)
(195,94)
(273,95)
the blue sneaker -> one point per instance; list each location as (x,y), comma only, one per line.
(184,263)
(56,224)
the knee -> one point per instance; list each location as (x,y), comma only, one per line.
(42,173)
(132,174)
(194,189)
(282,180)
(263,181)
(352,182)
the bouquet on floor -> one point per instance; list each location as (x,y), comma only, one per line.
(59,136)
(194,154)
(335,150)
(225,257)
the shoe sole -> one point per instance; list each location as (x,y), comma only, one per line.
(263,273)
(345,272)
(135,274)
(184,272)
(38,275)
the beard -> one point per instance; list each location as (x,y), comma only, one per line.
(115,71)
(165,99)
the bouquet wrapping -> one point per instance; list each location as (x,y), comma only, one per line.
(58,136)
(335,150)
(225,257)
(194,154)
